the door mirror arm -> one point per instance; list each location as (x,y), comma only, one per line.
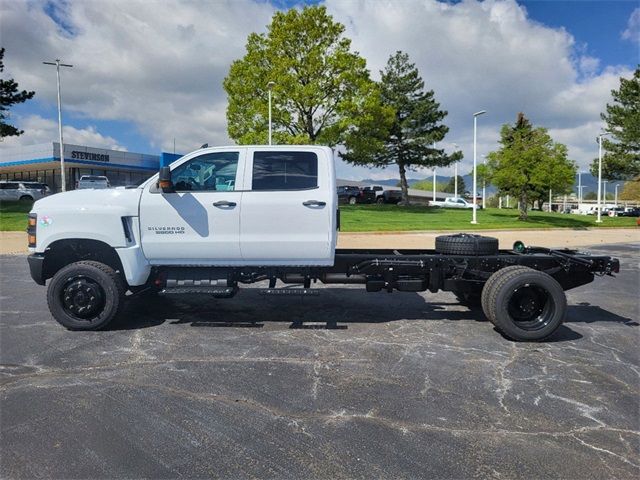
(164,180)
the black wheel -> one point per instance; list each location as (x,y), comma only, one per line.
(352,200)
(380,200)
(26,198)
(469,299)
(526,304)
(484,297)
(466,244)
(85,295)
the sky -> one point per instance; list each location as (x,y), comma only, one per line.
(147,72)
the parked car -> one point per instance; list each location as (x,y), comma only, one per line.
(370,194)
(389,196)
(452,202)
(22,191)
(92,181)
(630,212)
(350,194)
(615,211)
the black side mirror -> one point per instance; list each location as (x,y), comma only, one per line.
(164,180)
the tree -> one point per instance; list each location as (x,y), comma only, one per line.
(451,186)
(621,152)
(321,90)
(631,190)
(10,95)
(529,163)
(416,127)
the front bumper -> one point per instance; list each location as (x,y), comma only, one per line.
(36,268)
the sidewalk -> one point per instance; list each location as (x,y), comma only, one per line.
(15,243)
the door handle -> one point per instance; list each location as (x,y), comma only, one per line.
(224,203)
(314,203)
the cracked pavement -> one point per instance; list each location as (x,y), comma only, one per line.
(346,384)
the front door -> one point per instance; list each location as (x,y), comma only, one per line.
(199,224)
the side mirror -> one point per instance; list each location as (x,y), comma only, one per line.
(164,180)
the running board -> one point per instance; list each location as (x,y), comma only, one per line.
(217,292)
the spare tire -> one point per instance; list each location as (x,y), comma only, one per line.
(466,244)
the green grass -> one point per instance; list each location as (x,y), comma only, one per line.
(381,218)
(377,218)
(13,216)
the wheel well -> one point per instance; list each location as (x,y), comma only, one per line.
(64,252)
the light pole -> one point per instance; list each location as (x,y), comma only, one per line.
(270,87)
(57,64)
(434,184)
(475,166)
(579,188)
(599,220)
(484,181)
(616,197)
(604,192)
(455,174)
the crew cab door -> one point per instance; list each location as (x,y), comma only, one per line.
(288,214)
(199,224)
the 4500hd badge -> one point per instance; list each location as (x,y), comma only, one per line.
(167,230)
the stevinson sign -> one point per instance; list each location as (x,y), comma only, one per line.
(96,157)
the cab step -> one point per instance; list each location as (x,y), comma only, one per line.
(290,291)
(217,292)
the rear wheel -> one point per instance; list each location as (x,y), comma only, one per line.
(85,295)
(380,199)
(526,304)
(352,200)
(26,198)
(484,297)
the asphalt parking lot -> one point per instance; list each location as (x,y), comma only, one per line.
(341,385)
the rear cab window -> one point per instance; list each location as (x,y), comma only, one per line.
(284,170)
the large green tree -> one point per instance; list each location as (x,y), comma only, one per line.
(621,159)
(9,95)
(321,90)
(451,186)
(417,125)
(529,163)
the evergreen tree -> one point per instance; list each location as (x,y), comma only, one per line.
(451,186)
(417,125)
(9,95)
(621,158)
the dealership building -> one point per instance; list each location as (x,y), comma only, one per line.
(41,163)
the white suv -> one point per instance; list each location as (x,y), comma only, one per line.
(22,191)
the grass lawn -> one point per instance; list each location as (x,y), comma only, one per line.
(369,218)
(13,216)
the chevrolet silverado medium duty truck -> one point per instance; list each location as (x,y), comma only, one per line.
(219,218)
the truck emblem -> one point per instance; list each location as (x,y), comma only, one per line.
(45,221)
(166,230)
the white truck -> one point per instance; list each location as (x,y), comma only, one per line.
(218,218)
(451,202)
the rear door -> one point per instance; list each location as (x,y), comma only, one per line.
(199,224)
(289,207)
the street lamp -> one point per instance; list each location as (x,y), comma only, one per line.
(599,220)
(579,188)
(270,86)
(484,181)
(475,173)
(57,64)
(616,197)
(455,174)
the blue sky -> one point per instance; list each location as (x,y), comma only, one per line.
(143,76)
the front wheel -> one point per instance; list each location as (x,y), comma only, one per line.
(352,200)
(85,295)
(526,304)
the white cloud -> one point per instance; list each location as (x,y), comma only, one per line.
(160,64)
(632,32)
(42,130)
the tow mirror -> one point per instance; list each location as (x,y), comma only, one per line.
(164,180)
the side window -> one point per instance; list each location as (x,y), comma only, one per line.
(9,186)
(207,173)
(284,171)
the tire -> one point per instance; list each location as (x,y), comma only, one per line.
(484,297)
(380,200)
(352,200)
(26,198)
(466,244)
(85,295)
(526,305)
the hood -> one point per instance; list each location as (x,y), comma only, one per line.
(125,201)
